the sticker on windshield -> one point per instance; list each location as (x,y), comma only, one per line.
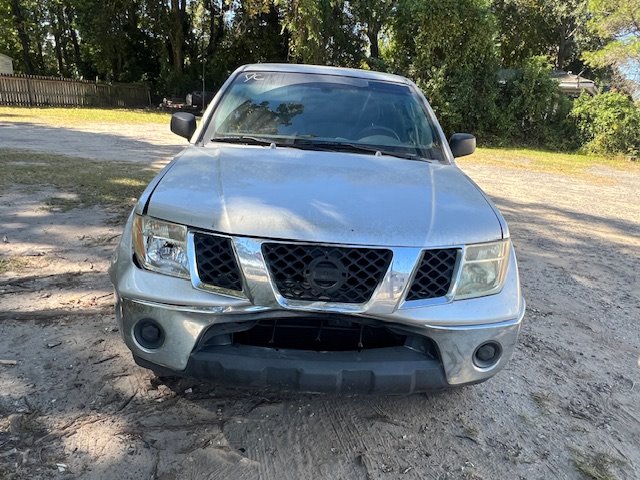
(253,76)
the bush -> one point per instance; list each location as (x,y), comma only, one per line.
(608,124)
(534,111)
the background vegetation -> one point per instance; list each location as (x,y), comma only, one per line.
(485,65)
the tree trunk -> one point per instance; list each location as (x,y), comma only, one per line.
(561,53)
(39,63)
(57,38)
(63,28)
(70,17)
(40,58)
(58,49)
(372,35)
(178,32)
(22,35)
(216,25)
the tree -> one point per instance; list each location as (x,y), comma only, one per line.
(9,42)
(555,28)
(448,48)
(618,22)
(20,25)
(322,32)
(373,15)
(177,31)
(256,35)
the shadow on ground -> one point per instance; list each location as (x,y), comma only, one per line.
(137,143)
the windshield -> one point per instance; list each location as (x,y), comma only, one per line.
(326,112)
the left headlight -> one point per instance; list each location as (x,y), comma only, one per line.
(161,246)
(483,269)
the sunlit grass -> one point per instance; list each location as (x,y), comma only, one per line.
(21,263)
(78,116)
(89,182)
(13,264)
(546,161)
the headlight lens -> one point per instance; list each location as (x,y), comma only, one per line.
(483,269)
(161,246)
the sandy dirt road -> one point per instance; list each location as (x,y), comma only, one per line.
(568,406)
(146,143)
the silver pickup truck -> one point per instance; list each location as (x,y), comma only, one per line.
(317,235)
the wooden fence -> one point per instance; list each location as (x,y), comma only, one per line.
(34,91)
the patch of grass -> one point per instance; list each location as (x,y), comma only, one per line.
(542,399)
(13,264)
(469,430)
(63,204)
(596,466)
(79,116)
(89,182)
(19,263)
(545,161)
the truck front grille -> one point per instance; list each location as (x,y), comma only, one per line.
(324,273)
(216,262)
(434,275)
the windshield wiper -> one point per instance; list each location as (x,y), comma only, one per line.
(243,140)
(353,147)
(307,144)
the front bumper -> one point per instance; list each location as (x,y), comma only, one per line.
(185,314)
(387,370)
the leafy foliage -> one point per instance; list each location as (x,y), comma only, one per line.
(534,111)
(618,21)
(608,123)
(447,48)
(322,32)
(555,28)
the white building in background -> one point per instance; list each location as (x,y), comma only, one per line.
(573,85)
(6,64)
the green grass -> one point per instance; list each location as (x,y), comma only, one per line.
(545,161)
(79,116)
(80,182)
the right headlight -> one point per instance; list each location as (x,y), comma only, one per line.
(483,268)
(160,246)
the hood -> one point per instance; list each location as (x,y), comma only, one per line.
(326,197)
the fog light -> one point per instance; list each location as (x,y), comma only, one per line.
(487,354)
(149,334)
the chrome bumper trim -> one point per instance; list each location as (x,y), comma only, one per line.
(184,326)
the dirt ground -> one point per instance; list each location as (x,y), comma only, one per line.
(147,143)
(74,404)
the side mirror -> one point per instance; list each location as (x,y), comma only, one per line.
(183,124)
(461,144)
